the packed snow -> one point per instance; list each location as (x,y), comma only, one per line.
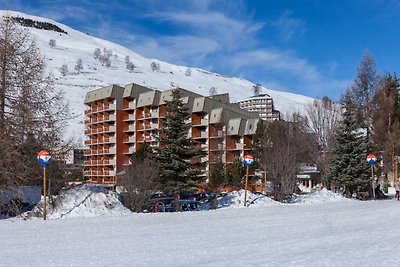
(83,201)
(77,45)
(327,231)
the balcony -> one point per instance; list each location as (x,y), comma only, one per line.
(201,136)
(154,114)
(129,128)
(130,106)
(104,129)
(105,118)
(130,117)
(130,150)
(129,139)
(202,122)
(105,140)
(102,151)
(99,162)
(236,146)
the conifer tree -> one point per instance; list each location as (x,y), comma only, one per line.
(349,169)
(235,174)
(177,151)
(218,175)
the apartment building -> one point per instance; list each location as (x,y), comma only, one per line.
(120,119)
(263,104)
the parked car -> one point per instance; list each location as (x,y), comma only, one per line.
(159,204)
(188,205)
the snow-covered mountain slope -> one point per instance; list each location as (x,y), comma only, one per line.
(77,45)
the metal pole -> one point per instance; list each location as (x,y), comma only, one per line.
(265,182)
(373,182)
(245,187)
(44,193)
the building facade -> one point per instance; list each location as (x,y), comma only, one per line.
(263,104)
(120,119)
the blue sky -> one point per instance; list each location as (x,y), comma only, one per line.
(309,47)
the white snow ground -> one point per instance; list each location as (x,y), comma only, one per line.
(327,231)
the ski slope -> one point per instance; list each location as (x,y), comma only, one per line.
(77,45)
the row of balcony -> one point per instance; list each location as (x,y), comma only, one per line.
(103,151)
(100,162)
(100,119)
(100,130)
(147,126)
(100,108)
(148,115)
(101,140)
(100,173)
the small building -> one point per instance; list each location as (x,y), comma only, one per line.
(308,177)
(263,104)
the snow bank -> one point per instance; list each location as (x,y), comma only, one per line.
(82,201)
(324,195)
(235,199)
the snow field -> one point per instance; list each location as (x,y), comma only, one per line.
(322,229)
(345,233)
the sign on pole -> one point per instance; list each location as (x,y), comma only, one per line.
(44,158)
(371,158)
(248,160)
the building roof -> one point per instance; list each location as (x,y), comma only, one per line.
(112,91)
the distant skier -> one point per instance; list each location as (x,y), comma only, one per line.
(397,187)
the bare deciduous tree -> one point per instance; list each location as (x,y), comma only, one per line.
(130,66)
(323,118)
(127,59)
(64,69)
(97,53)
(52,43)
(257,89)
(78,66)
(140,179)
(213,91)
(281,148)
(32,113)
(155,66)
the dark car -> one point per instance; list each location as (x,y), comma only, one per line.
(159,204)
(189,205)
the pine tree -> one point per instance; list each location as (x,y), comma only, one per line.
(235,174)
(218,175)
(177,151)
(350,170)
(143,152)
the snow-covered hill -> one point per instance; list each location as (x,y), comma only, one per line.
(77,45)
